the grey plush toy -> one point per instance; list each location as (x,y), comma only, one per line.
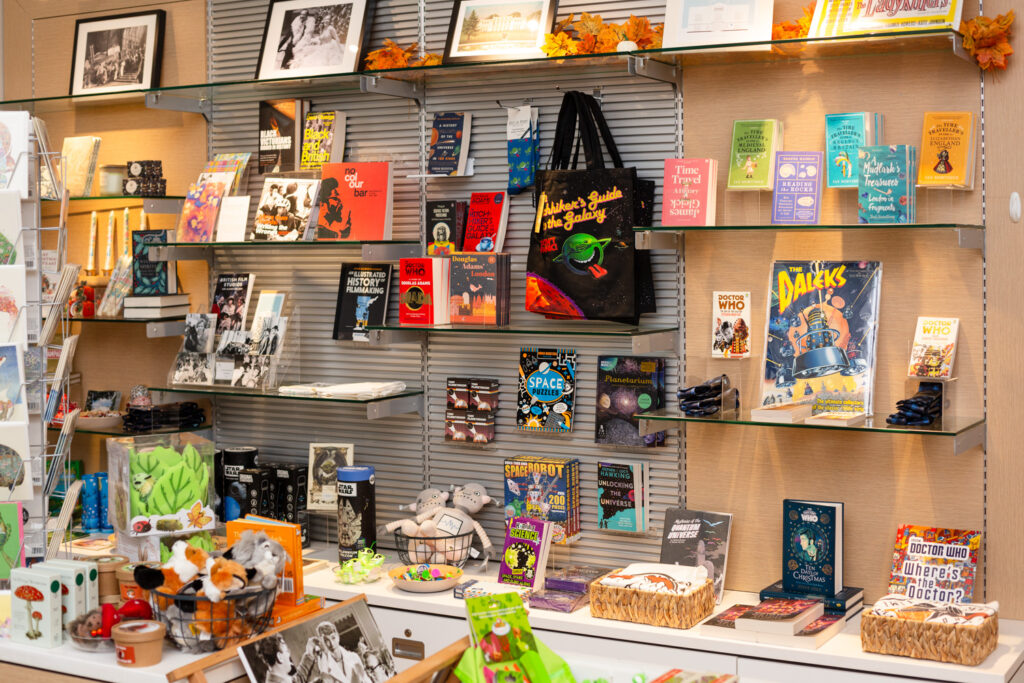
(257,551)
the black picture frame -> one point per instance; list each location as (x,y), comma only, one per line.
(452,55)
(154,61)
(367,8)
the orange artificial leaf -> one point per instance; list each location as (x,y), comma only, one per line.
(428,59)
(658,40)
(988,40)
(196,518)
(608,39)
(391,56)
(559,45)
(638,30)
(790,30)
(587,45)
(588,25)
(563,25)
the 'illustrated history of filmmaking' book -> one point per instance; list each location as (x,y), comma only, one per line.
(362,299)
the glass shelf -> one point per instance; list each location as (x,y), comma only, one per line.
(849,226)
(119,432)
(256,393)
(167,319)
(111,197)
(267,245)
(574,327)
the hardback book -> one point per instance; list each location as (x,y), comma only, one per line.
(479,287)
(202,205)
(622,490)
(546,488)
(149,277)
(280,145)
(723,624)
(812,546)
(80,155)
(362,299)
(486,222)
(14,131)
(836,18)
(885,184)
(947,150)
(700,22)
(446,226)
(627,385)
(698,538)
(845,134)
(12,548)
(140,313)
(525,556)
(323,139)
(423,291)
(354,202)
(235,163)
(730,333)
(547,390)
(839,603)
(449,143)
(785,413)
(283,211)
(230,302)
(810,637)
(690,192)
(821,333)
(934,348)
(786,617)
(796,199)
(156,301)
(752,154)
(934,564)
(12,386)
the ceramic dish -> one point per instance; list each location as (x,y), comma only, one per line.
(108,422)
(91,644)
(454,575)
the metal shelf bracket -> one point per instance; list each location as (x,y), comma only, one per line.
(156,100)
(657,71)
(392,87)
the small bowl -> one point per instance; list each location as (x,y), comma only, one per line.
(426,586)
(109,422)
(90,644)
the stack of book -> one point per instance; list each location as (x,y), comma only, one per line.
(885,184)
(479,290)
(155,307)
(423,291)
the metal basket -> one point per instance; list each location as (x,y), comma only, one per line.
(453,550)
(197,624)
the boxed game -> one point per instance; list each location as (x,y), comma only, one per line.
(458,393)
(152,168)
(546,488)
(291,497)
(483,395)
(259,487)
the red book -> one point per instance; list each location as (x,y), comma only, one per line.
(423,291)
(690,192)
(485,225)
(354,202)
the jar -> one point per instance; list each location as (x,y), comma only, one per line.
(129,590)
(357,511)
(111,176)
(139,643)
(108,566)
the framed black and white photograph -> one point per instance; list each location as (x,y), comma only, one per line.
(199,332)
(192,368)
(483,30)
(341,645)
(313,37)
(322,481)
(233,343)
(118,53)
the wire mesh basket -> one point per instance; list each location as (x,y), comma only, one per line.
(453,550)
(197,624)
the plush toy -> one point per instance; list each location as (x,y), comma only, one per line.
(262,557)
(428,502)
(458,519)
(185,564)
(214,616)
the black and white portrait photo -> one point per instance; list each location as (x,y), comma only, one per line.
(342,646)
(193,368)
(233,343)
(312,37)
(199,332)
(251,371)
(267,334)
(117,54)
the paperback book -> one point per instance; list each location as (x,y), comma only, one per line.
(627,385)
(698,538)
(235,163)
(836,18)
(525,555)
(449,144)
(149,277)
(354,202)
(934,348)
(323,139)
(752,157)
(446,226)
(885,185)
(812,547)
(283,210)
(723,624)
(423,291)
(796,199)
(479,289)
(80,155)
(499,626)
(231,300)
(280,143)
(202,205)
(486,222)
(545,488)
(787,617)
(845,134)
(362,299)
(934,564)
(840,603)
(730,331)
(690,192)
(622,490)
(547,390)
(947,150)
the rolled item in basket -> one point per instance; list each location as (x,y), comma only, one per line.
(658,594)
(658,578)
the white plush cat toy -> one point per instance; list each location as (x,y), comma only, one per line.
(428,502)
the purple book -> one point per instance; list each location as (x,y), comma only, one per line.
(527,542)
(796,199)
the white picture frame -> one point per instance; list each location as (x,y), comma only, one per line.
(520,26)
(717,22)
(323,490)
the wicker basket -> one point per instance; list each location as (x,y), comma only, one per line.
(657,609)
(954,643)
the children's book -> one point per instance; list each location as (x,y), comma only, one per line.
(730,330)
(752,157)
(698,538)
(525,556)
(947,150)
(547,390)
(449,143)
(845,134)
(622,490)
(354,203)
(690,192)
(499,626)
(812,547)
(885,185)
(362,299)
(545,488)
(323,139)
(934,348)
(289,586)
(935,564)
(796,199)
(627,385)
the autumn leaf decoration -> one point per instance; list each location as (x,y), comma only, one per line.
(592,35)
(793,30)
(988,40)
(394,56)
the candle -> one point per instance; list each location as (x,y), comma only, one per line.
(90,265)
(108,256)
(143,220)
(126,234)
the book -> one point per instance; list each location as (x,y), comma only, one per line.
(836,18)
(830,417)
(934,348)
(812,546)
(796,199)
(289,586)
(547,390)
(525,555)
(11,550)
(845,134)
(486,222)
(446,227)
(810,637)
(627,385)
(149,277)
(283,614)
(233,219)
(354,202)
(839,603)
(280,141)
(14,151)
(13,407)
(13,319)
(156,301)
(786,413)
(690,192)
(202,205)
(323,139)
(230,301)
(479,289)
(80,155)
(723,624)
(885,185)
(947,150)
(16,456)
(545,488)
(139,313)
(474,588)
(49,169)
(787,617)
(698,538)
(449,143)
(12,239)
(423,291)
(283,210)
(730,334)
(362,299)
(500,628)
(821,335)
(700,22)
(622,490)
(558,601)
(935,564)
(752,154)
(270,301)
(573,578)
(200,329)
(235,163)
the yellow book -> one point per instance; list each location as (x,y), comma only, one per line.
(946,158)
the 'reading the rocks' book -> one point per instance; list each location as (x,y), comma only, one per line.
(698,538)
(812,546)
(627,385)
(362,299)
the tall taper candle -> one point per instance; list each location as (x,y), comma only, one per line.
(143,220)
(108,255)
(126,234)
(90,265)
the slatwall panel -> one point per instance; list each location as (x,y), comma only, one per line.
(410,453)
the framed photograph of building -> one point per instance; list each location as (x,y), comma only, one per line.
(313,37)
(118,53)
(484,30)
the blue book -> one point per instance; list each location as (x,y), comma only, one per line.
(885,187)
(449,144)
(796,199)
(812,547)
(844,135)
